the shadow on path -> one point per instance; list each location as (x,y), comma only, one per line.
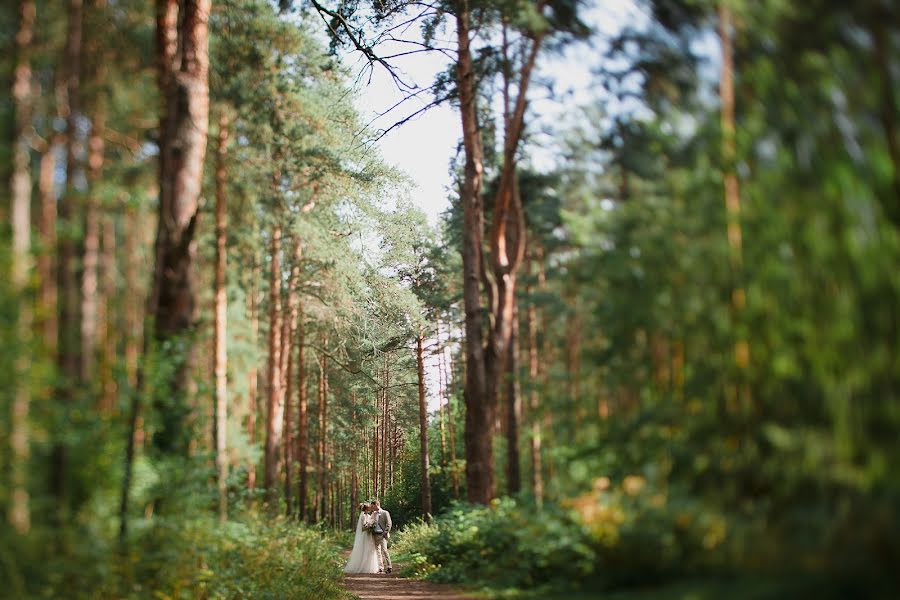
(394,587)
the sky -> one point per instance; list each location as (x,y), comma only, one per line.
(424,146)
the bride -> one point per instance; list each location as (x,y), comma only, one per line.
(364,557)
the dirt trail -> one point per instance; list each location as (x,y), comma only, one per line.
(391,586)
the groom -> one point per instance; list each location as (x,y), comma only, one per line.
(382,519)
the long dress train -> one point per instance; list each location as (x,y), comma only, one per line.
(364,556)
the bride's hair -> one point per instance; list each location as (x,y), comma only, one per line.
(362,506)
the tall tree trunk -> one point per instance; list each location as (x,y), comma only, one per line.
(91,256)
(68,347)
(252,372)
(289,333)
(513,412)
(288,422)
(133,317)
(107,330)
(479,412)
(323,434)
(20,218)
(221,299)
(732,199)
(275,406)
(183,63)
(537,477)
(354,460)
(384,427)
(46,260)
(302,419)
(425,481)
(442,388)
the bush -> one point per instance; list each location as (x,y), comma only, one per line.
(182,558)
(502,545)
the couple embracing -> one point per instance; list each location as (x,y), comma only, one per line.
(370,546)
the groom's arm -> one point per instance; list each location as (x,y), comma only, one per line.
(387,516)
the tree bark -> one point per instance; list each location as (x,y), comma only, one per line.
(183,66)
(323,433)
(513,411)
(479,411)
(289,331)
(384,427)
(442,387)
(20,218)
(275,405)
(107,334)
(424,482)
(68,346)
(91,255)
(46,260)
(537,478)
(252,372)
(219,337)
(732,198)
(302,419)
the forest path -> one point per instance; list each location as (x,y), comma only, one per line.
(390,586)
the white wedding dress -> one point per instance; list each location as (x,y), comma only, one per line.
(364,556)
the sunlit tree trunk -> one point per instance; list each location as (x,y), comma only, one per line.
(442,387)
(290,333)
(275,405)
(513,412)
(534,406)
(182,50)
(302,419)
(322,492)
(221,310)
(425,481)
(20,218)
(252,372)
(732,199)
(454,473)
(107,332)
(384,427)
(91,255)
(46,259)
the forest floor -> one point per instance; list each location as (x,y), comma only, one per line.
(391,586)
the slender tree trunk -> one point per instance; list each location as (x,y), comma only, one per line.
(323,433)
(20,218)
(69,346)
(107,334)
(442,387)
(290,334)
(732,199)
(252,375)
(425,482)
(91,256)
(537,478)
(384,427)
(133,317)
(288,424)
(46,260)
(302,419)
(275,406)
(219,338)
(513,412)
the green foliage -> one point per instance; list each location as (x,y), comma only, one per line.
(504,545)
(178,558)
